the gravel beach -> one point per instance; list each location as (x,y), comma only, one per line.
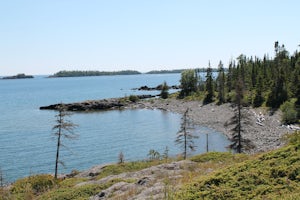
(264,130)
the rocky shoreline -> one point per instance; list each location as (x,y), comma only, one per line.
(265,134)
(97,105)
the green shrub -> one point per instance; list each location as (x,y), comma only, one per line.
(133,98)
(164,91)
(272,175)
(289,113)
(216,156)
(75,193)
(36,183)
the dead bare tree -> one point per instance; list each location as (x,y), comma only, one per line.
(63,128)
(185,136)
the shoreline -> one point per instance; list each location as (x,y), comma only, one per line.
(266,135)
(264,130)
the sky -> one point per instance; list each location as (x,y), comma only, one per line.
(46,36)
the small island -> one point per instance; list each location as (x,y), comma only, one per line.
(77,73)
(18,76)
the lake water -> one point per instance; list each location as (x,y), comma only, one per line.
(28,146)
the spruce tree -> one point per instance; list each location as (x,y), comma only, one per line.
(221,84)
(238,142)
(164,91)
(209,86)
(258,98)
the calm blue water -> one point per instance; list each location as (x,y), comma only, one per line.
(27,145)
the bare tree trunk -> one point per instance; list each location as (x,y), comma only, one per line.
(58,146)
(239,128)
(206,142)
(185,144)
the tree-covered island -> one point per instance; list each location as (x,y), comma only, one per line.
(77,73)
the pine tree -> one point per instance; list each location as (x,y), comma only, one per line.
(221,84)
(229,77)
(63,129)
(238,142)
(184,135)
(209,86)
(164,91)
(258,98)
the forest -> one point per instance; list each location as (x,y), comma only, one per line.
(77,73)
(268,82)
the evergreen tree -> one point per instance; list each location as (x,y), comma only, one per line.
(238,142)
(278,93)
(209,86)
(258,98)
(164,91)
(153,155)
(63,129)
(229,77)
(188,82)
(184,135)
(221,84)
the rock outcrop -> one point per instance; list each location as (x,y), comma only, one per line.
(159,87)
(155,182)
(18,76)
(96,105)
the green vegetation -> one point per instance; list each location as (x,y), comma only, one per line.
(271,175)
(92,73)
(209,86)
(217,175)
(164,91)
(188,83)
(288,109)
(267,81)
(133,98)
(174,71)
(177,71)
(28,188)
(44,187)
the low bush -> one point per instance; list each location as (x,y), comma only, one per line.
(268,176)
(36,183)
(289,113)
(133,98)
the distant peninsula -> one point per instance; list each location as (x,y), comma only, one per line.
(176,71)
(18,76)
(92,73)
(78,73)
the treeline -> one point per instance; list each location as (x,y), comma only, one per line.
(272,82)
(174,71)
(78,73)
(92,73)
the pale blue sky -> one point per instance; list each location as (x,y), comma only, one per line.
(45,36)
